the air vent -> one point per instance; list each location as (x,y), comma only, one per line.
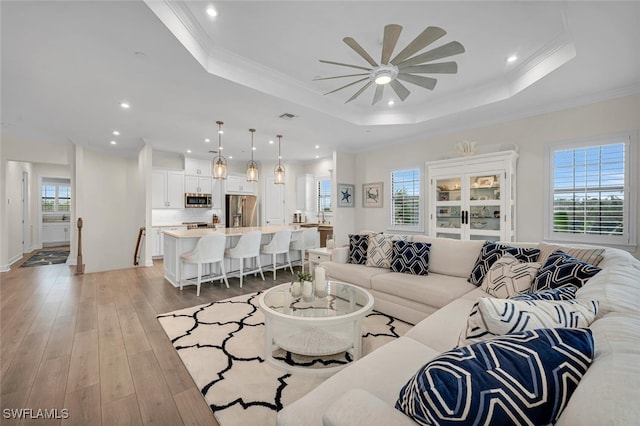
(287,116)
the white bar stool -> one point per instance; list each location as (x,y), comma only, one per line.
(248,247)
(279,244)
(309,238)
(209,249)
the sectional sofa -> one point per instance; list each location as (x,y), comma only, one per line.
(439,304)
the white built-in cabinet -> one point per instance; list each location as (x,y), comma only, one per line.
(237,184)
(56,233)
(167,189)
(156,239)
(473,198)
(217,194)
(197,185)
(306,193)
(197,167)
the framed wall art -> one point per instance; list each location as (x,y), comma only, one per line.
(346,197)
(372,194)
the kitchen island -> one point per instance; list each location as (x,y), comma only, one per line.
(177,242)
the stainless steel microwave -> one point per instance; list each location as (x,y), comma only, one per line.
(197,200)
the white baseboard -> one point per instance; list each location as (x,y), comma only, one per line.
(148,263)
(4,268)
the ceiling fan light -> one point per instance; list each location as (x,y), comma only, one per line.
(383,78)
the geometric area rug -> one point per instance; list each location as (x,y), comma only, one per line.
(46,257)
(222,346)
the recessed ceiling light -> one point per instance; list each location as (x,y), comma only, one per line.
(116,133)
(271,142)
(221,148)
(512,58)
(212,12)
(230,157)
(317,146)
(253,148)
(125,105)
(317,156)
(207,140)
(188,151)
(391,102)
(113,142)
(220,131)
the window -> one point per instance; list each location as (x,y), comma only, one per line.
(405,200)
(588,192)
(56,196)
(324,195)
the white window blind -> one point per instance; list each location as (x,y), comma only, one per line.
(324,195)
(405,199)
(589,192)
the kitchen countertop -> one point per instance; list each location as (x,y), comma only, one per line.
(201,232)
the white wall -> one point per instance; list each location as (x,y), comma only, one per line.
(530,134)
(344,218)
(111,203)
(14,207)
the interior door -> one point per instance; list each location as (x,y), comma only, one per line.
(273,202)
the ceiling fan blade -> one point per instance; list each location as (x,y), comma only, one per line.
(391,35)
(345,86)
(425,38)
(400,90)
(449,49)
(377,97)
(359,50)
(359,92)
(439,68)
(426,82)
(339,76)
(344,65)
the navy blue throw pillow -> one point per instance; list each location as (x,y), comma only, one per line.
(491,252)
(562,270)
(561,293)
(358,245)
(520,378)
(410,257)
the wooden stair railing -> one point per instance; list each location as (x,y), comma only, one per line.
(136,255)
(79,265)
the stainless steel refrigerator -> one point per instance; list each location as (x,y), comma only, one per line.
(241,211)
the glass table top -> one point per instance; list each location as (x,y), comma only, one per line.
(334,299)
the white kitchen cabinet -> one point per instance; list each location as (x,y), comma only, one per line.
(306,193)
(197,167)
(167,189)
(473,198)
(56,233)
(237,184)
(197,185)
(157,239)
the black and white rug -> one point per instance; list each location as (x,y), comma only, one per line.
(46,257)
(222,346)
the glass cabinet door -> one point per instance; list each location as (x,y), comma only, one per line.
(484,207)
(449,207)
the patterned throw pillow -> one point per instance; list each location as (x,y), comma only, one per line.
(491,252)
(523,378)
(562,293)
(410,257)
(562,270)
(358,248)
(592,256)
(491,317)
(380,250)
(508,277)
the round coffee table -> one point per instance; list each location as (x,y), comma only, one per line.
(328,323)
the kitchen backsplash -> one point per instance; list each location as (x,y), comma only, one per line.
(175,217)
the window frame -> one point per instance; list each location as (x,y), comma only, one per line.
(628,239)
(319,180)
(419,227)
(57,184)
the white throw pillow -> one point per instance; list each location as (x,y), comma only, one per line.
(509,277)
(380,249)
(491,317)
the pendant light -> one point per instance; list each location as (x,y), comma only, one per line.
(279,171)
(252,167)
(219,163)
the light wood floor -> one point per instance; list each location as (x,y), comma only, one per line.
(91,344)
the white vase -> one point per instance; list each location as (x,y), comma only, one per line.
(307,291)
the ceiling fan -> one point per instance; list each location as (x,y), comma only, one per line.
(404,66)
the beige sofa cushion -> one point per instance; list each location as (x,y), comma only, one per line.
(451,257)
(359,275)
(434,289)
(591,255)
